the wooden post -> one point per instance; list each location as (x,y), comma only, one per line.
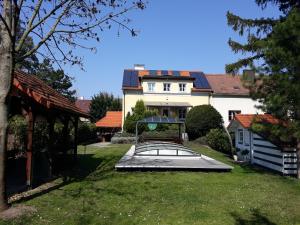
(65,133)
(51,122)
(75,137)
(29,149)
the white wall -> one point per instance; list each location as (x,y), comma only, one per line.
(225,103)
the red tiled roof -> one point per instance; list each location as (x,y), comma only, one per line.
(111,119)
(226,84)
(246,119)
(43,94)
(83,104)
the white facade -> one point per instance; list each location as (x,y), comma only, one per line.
(224,104)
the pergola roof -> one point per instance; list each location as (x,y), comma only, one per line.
(158,119)
(43,94)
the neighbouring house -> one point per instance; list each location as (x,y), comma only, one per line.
(173,93)
(230,97)
(257,148)
(84,105)
(109,124)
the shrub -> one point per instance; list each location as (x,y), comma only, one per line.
(218,140)
(86,132)
(17,130)
(200,119)
(201,140)
(139,112)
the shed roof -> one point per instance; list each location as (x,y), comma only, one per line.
(226,84)
(43,94)
(246,120)
(112,119)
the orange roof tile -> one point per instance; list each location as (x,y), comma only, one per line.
(246,119)
(43,94)
(111,119)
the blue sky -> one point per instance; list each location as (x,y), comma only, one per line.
(174,34)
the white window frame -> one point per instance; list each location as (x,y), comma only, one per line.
(182,87)
(167,87)
(151,86)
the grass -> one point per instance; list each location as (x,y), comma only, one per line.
(97,194)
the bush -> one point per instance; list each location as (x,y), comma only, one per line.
(17,130)
(139,112)
(218,140)
(86,132)
(200,119)
(201,140)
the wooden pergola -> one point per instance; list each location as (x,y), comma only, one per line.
(32,98)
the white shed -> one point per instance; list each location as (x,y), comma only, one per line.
(258,150)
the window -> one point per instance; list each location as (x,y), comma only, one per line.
(182,87)
(232,113)
(151,87)
(241,136)
(181,114)
(166,112)
(167,86)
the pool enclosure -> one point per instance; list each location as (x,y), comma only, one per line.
(164,153)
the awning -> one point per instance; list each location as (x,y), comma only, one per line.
(173,104)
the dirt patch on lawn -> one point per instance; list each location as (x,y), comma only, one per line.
(17,211)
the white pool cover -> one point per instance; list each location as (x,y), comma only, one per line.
(166,155)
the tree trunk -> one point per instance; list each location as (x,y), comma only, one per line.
(298,159)
(6,66)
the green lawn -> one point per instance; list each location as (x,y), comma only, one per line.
(97,194)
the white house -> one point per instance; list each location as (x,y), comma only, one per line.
(230,97)
(173,93)
(259,150)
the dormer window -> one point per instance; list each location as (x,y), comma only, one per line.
(182,87)
(151,87)
(167,86)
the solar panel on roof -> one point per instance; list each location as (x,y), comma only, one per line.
(176,73)
(152,72)
(134,79)
(164,72)
(200,80)
(126,78)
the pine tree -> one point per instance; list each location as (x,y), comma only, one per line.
(276,42)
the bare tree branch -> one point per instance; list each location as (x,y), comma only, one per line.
(31,27)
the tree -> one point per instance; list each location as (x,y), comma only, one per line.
(58,28)
(200,119)
(57,79)
(103,102)
(278,86)
(138,112)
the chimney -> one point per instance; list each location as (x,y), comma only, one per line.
(139,66)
